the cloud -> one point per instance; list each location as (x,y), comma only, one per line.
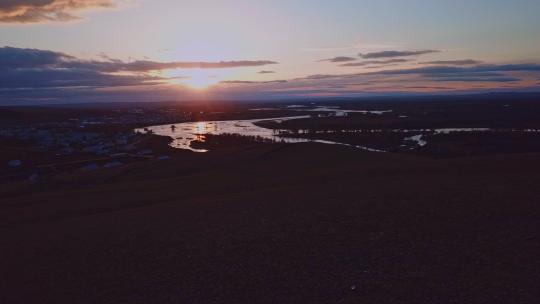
(148,65)
(487,72)
(429,87)
(427,79)
(33,11)
(266,72)
(69,78)
(393,54)
(477,73)
(319,76)
(29,58)
(33,68)
(453,62)
(34,58)
(479,79)
(453,70)
(42,75)
(373,62)
(339,59)
(251,82)
(456,78)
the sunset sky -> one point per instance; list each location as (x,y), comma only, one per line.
(133,50)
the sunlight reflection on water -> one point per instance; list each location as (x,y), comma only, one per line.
(183,134)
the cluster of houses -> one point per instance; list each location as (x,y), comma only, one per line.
(94,142)
(109,149)
(67,142)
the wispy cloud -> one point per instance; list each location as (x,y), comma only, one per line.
(449,70)
(374,62)
(422,79)
(34,11)
(393,54)
(266,72)
(251,82)
(339,59)
(147,65)
(17,57)
(453,62)
(492,73)
(474,78)
(486,72)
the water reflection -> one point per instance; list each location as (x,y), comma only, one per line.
(200,127)
(183,134)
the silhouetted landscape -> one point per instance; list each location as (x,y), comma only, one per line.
(89,204)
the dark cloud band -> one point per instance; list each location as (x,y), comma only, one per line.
(339,59)
(32,68)
(374,62)
(394,54)
(453,62)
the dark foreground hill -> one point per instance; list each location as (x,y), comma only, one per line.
(278,224)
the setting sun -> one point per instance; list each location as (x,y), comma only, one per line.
(200,79)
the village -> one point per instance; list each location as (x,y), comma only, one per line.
(85,143)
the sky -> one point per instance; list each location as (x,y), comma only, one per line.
(58,51)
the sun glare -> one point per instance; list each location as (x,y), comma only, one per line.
(200,127)
(200,79)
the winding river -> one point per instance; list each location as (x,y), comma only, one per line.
(183,134)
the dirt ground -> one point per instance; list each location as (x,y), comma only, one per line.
(304,223)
